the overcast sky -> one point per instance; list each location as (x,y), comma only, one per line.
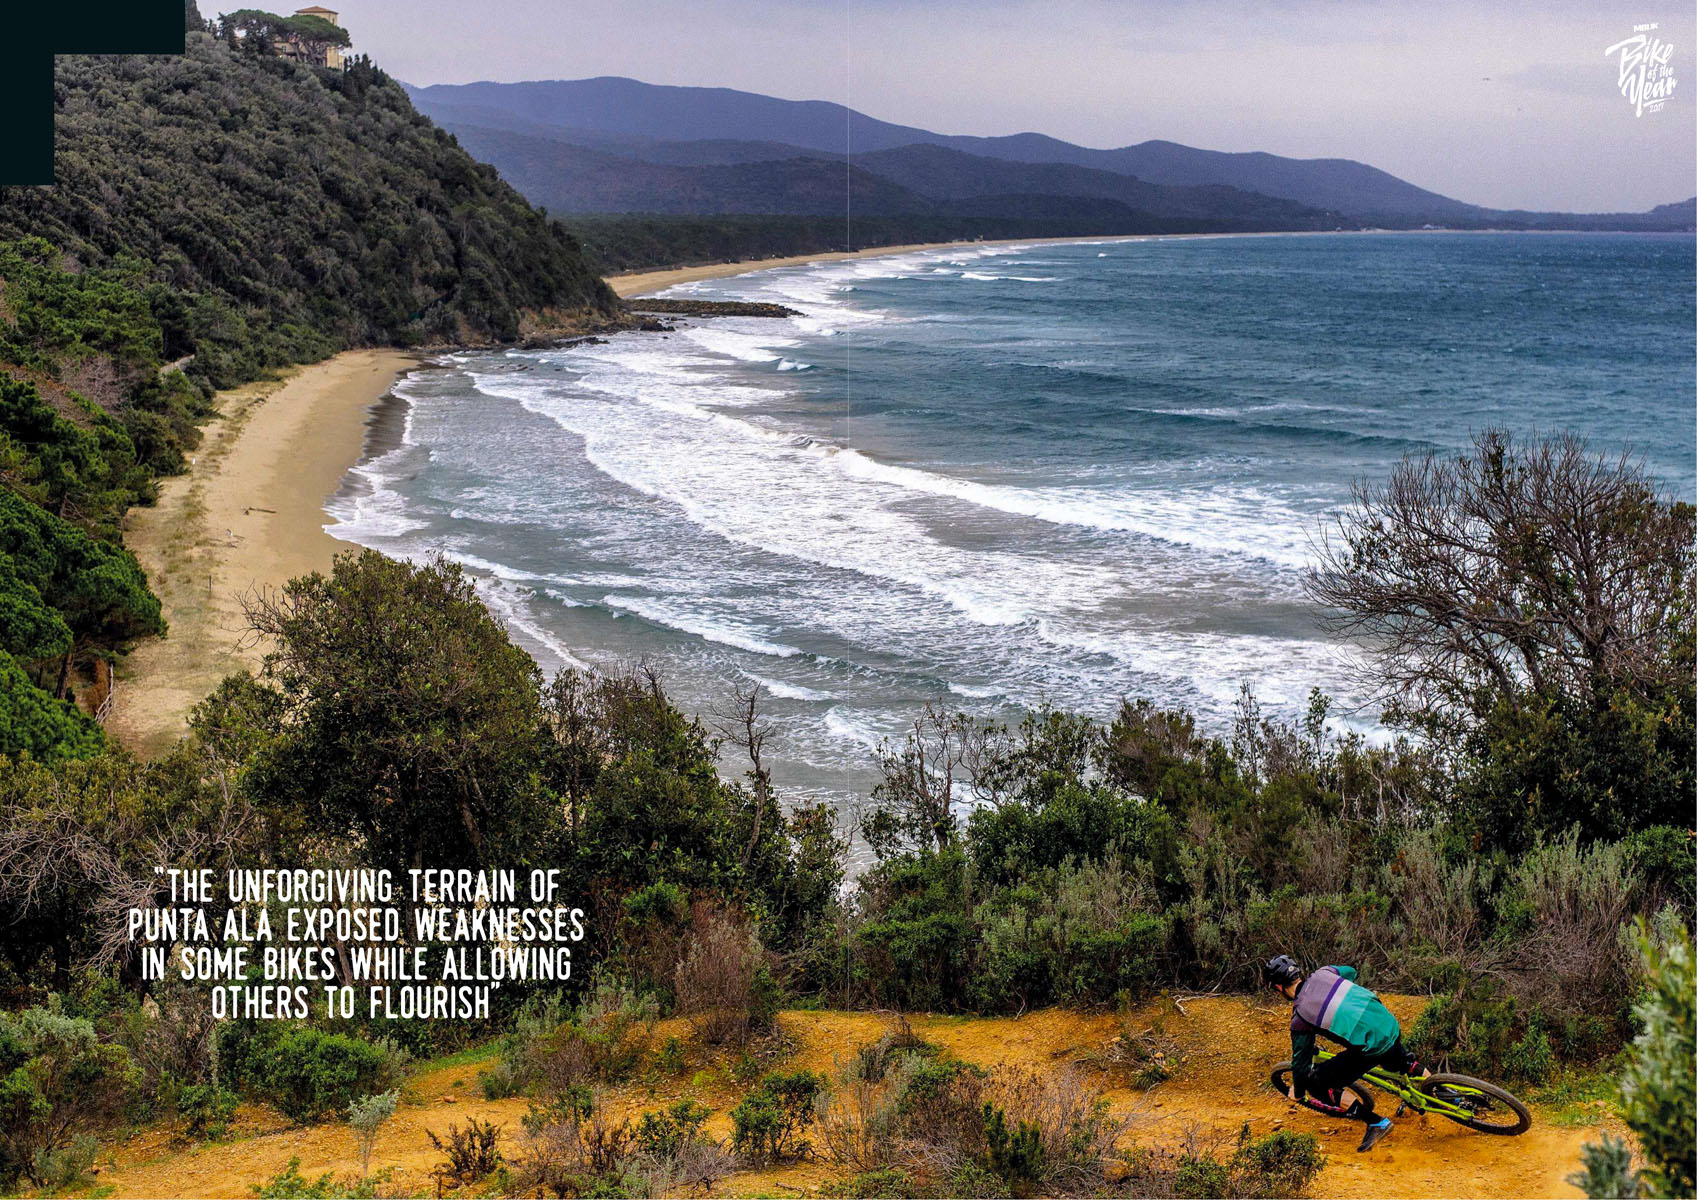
(1513,107)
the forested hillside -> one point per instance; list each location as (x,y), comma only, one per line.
(217,215)
(287,211)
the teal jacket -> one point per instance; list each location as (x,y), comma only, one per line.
(1330,1004)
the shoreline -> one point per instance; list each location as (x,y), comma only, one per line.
(248,514)
(641,283)
(632,284)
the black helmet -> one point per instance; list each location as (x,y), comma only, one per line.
(1281,971)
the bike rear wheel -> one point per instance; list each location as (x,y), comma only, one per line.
(1490,1109)
(1352,1093)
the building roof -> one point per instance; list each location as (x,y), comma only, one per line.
(316,11)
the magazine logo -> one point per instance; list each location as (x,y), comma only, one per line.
(1645,76)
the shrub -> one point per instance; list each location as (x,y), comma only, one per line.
(669,1059)
(615,1026)
(574,1150)
(1066,1130)
(306,1072)
(1658,1092)
(579,1153)
(695,1168)
(1014,1154)
(858,1122)
(1607,1172)
(59,1085)
(367,1116)
(1566,955)
(652,927)
(551,1055)
(498,1082)
(64,1165)
(938,1105)
(1080,934)
(290,1184)
(665,1134)
(768,1123)
(886,1184)
(472,1152)
(723,984)
(1199,1176)
(1478,1031)
(205,1109)
(1281,1164)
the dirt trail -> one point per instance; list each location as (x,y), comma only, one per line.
(1220,1050)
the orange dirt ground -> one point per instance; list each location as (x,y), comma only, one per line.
(1220,1050)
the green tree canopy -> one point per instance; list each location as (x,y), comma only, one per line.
(405,717)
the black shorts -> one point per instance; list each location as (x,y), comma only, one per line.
(1329,1078)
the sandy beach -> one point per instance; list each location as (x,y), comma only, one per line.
(641,283)
(249,514)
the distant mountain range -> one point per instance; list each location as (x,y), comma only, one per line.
(613,145)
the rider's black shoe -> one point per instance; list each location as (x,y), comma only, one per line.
(1375,1133)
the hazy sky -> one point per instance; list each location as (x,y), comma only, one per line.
(1512,105)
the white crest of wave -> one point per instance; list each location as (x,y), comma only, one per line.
(789,691)
(727,631)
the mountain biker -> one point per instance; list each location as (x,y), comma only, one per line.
(1330,1004)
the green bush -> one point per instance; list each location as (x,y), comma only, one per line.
(1658,1089)
(1201,1176)
(65,1165)
(205,1109)
(1280,1164)
(306,1073)
(367,1116)
(664,1134)
(290,1184)
(1606,1171)
(885,1184)
(498,1082)
(473,1152)
(1014,1154)
(768,1123)
(60,1085)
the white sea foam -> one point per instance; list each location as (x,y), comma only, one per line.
(765,488)
(368,506)
(680,615)
(983,278)
(512,607)
(1246,522)
(854,726)
(789,691)
(734,344)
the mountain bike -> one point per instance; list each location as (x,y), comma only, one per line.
(1463,1099)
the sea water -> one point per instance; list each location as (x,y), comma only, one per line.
(1001,477)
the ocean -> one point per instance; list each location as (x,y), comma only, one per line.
(1004,476)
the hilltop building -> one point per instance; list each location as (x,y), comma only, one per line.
(302,48)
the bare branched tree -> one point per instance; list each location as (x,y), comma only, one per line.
(56,850)
(912,803)
(1529,566)
(739,721)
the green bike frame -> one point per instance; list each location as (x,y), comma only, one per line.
(1402,1087)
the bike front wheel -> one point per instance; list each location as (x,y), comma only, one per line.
(1475,1103)
(1352,1093)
